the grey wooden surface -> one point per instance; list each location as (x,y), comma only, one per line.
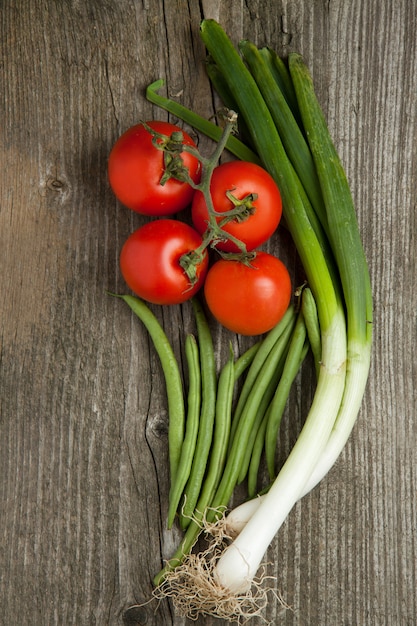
(83,432)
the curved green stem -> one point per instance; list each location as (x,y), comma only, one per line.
(233,145)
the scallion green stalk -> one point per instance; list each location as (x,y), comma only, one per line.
(347,248)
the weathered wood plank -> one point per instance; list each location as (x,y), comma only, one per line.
(83,460)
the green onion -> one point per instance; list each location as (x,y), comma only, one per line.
(240,561)
(290,133)
(347,248)
(279,70)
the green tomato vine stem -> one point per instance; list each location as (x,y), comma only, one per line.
(174,168)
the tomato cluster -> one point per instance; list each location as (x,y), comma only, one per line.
(155,170)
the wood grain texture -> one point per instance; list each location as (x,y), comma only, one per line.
(83,423)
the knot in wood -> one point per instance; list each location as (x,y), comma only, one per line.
(55,184)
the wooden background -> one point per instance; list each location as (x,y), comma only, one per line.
(83,462)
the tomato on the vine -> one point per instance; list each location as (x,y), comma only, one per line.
(248,299)
(246,184)
(136,168)
(151,257)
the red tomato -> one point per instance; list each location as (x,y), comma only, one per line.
(241,178)
(150,261)
(136,166)
(248,300)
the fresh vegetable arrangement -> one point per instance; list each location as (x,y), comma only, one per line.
(288,166)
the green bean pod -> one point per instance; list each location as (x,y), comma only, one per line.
(281,349)
(245,359)
(255,459)
(214,470)
(208,407)
(259,443)
(242,435)
(262,353)
(191,426)
(260,413)
(173,380)
(276,410)
(218,452)
(309,309)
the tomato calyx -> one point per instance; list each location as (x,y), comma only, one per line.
(242,209)
(213,235)
(173,146)
(190,262)
(174,168)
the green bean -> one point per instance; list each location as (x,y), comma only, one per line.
(245,359)
(255,460)
(260,412)
(191,426)
(261,355)
(208,405)
(258,446)
(174,386)
(309,309)
(282,346)
(291,368)
(215,467)
(243,430)
(218,453)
